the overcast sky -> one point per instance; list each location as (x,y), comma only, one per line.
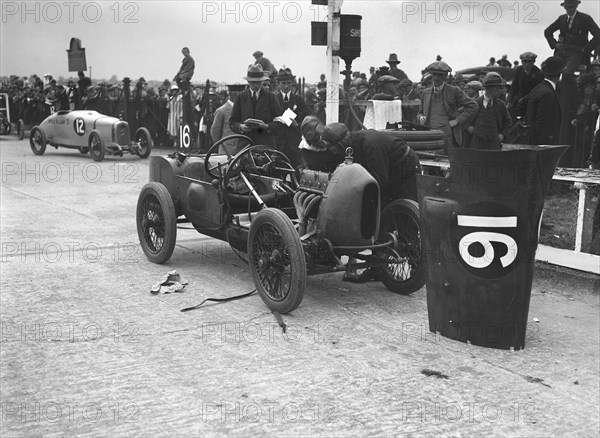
(144,38)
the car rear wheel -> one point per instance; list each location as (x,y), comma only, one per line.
(20,129)
(84,150)
(401,218)
(96,146)
(144,139)
(156,222)
(277,260)
(37,141)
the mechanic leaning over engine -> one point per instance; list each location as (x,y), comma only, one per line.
(389,159)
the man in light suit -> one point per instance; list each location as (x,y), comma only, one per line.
(258,104)
(543,107)
(440,106)
(573,45)
(220,127)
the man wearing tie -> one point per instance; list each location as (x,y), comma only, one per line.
(259,104)
(543,108)
(288,137)
(572,44)
(440,107)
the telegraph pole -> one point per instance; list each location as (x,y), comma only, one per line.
(332,108)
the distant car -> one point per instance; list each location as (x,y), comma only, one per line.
(506,72)
(89,131)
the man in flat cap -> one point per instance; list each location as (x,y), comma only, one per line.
(440,106)
(394,70)
(388,88)
(492,121)
(527,77)
(472,89)
(289,137)
(543,107)
(573,45)
(257,104)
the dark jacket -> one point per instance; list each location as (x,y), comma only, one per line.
(266,108)
(522,83)
(453,99)
(288,137)
(543,115)
(577,36)
(503,120)
(386,157)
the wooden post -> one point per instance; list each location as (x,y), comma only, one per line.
(332,112)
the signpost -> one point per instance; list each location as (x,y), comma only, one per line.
(76,56)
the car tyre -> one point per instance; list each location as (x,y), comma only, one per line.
(156,222)
(96,145)
(277,260)
(402,219)
(37,140)
(84,150)
(144,139)
(20,129)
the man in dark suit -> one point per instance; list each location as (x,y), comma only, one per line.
(573,45)
(543,107)
(492,121)
(527,76)
(440,106)
(289,137)
(258,104)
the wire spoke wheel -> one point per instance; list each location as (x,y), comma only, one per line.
(37,141)
(144,139)
(277,261)
(156,222)
(96,145)
(401,218)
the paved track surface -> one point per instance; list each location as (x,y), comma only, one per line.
(86,350)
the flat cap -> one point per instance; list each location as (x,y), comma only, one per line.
(528,55)
(438,67)
(387,78)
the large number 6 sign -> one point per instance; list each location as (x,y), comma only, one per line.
(485,238)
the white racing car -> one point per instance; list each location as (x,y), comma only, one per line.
(89,131)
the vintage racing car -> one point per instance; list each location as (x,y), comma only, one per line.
(7,119)
(89,131)
(290,223)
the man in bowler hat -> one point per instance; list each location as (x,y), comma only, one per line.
(258,104)
(543,107)
(492,121)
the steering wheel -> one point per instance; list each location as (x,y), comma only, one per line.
(254,152)
(210,169)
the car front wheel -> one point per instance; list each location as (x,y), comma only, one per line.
(144,140)
(37,141)
(402,219)
(156,222)
(277,260)
(96,146)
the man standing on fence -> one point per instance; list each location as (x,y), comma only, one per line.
(183,79)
